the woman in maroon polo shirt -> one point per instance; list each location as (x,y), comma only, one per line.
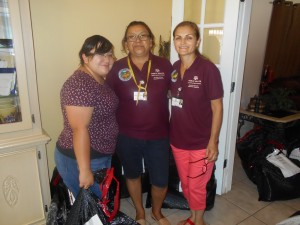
(196,118)
(141,81)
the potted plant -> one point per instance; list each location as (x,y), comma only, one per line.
(164,48)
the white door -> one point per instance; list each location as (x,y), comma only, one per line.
(224,26)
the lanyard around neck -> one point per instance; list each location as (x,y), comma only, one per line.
(139,86)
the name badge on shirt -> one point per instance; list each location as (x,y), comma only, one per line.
(141,96)
(178,102)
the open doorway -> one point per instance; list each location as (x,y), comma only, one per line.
(256,50)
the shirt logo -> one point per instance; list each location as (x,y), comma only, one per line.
(195,82)
(174,76)
(124,74)
(158,75)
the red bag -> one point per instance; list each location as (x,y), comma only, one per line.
(110,188)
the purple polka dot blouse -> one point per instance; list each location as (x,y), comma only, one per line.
(80,89)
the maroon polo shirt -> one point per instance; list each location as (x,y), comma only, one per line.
(191,124)
(148,120)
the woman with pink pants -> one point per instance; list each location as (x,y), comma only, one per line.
(196,118)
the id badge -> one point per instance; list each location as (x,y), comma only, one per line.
(141,96)
(178,102)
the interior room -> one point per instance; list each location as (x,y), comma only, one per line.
(51,46)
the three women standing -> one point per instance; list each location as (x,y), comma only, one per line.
(141,82)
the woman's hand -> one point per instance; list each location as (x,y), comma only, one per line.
(212,151)
(86,179)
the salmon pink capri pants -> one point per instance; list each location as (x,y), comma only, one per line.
(194,172)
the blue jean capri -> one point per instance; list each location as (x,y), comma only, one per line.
(68,170)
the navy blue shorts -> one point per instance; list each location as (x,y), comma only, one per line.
(155,153)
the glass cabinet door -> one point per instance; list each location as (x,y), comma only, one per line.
(14,104)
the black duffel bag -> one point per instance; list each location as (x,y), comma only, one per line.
(272,185)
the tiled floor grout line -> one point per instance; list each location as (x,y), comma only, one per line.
(239,208)
(248,218)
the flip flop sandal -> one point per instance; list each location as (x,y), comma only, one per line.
(189,222)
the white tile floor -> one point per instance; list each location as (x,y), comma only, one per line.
(240,206)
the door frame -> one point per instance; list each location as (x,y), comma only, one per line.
(237,80)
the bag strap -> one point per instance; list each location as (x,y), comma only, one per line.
(104,187)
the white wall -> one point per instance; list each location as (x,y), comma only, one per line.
(257,39)
(258,34)
(59,29)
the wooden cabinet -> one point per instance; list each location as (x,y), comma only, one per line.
(24,178)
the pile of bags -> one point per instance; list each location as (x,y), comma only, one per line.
(87,208)
(271,160)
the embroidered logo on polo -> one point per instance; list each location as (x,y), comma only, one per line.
(174,76)
(124,74)
(195,82)
(157,75)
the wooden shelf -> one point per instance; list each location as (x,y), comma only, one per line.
(285,119)
(274,124)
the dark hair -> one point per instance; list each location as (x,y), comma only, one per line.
(98,43)
(136,23)
(194,27)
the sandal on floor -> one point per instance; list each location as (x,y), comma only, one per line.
(162,221)
(141,221)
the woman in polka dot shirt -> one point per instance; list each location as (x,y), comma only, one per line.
(88,105)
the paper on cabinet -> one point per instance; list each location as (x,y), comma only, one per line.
(7,83)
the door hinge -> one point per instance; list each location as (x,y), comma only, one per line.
(39,155)
(46,208)
(32,118)
(232,87)
(225,163)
